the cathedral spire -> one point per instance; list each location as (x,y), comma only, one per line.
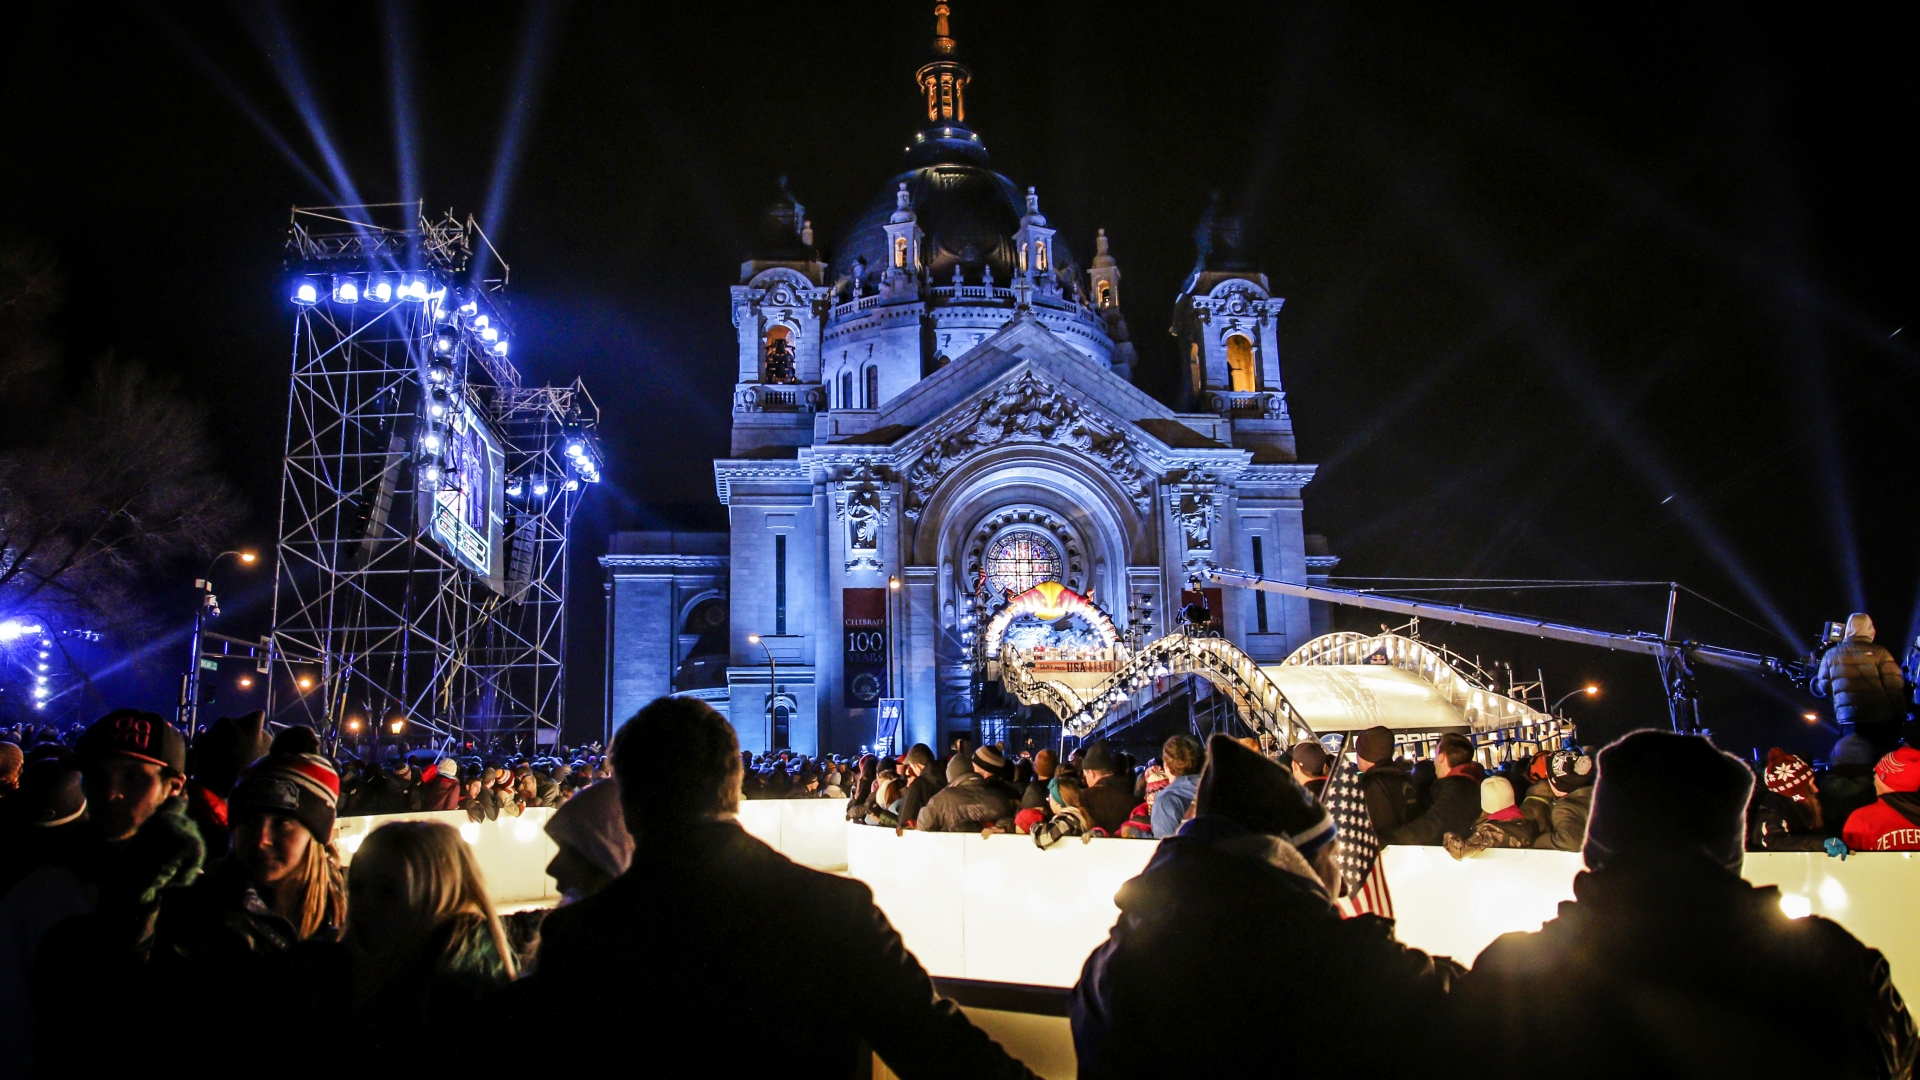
(944,79)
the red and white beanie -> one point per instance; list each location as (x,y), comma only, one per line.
(1789,775)
(1900,770)
(301,786)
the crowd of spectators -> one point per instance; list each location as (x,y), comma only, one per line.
(136,871)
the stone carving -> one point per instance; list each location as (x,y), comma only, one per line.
(1195,513)
(862,501)
(1030,411)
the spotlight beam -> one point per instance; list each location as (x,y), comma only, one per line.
(399,45)
(272,33)
(523,99)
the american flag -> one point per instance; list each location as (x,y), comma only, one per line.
(1359,858)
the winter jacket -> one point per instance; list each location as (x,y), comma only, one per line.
(1844,789)
(1680,969)
(439,793)
(1777,823)
(1537,806)
(1170,805)
(221,922)
(1109,803)
(704,925)
(1864,681)
(1035,796)
(1069,821)
(1225,930)
(919,793)
(1389,791)
(1890,823)
(1456,806)
(1507,829)
(1567,821)
(966,805)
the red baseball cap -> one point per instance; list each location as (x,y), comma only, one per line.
(1900,770)
(143,736)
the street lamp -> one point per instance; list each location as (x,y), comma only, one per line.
(190,686)
(773,686)
(893,590)
(1590,690)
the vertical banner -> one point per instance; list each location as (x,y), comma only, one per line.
(886,734)
(864,633)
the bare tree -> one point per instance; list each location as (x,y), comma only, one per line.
(114,484)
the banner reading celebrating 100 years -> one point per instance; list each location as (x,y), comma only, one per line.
(864,628)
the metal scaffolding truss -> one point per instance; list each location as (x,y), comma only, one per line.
(426,495)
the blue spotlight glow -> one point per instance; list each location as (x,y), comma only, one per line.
(305,294)
(443,345)
(345,291)
(430,442)
(540,485)
(431,474)
(380,291)
(515,488)
(489,335)
(470,308)
(500,347)
(479,321)
(575,448)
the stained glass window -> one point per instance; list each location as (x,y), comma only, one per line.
(1017,561)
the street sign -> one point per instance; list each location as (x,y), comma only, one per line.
(892,711)
(209,665)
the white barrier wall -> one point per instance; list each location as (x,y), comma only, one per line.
(513,852)
(1001,910)
(996,908)
(811,832)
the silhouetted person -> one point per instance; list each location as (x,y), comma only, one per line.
(711,931)
(1229,929)
(1666,963)
(1865,682)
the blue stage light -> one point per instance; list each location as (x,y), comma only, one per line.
(575,448)
(439,374)
(479,321)
(415,290)
(540,485)
(379,290)
(489,335)
(430,442)
(500,347)
(431,474)
(469,308)
(573,485)
(515,487)
(305,294)
(443,345)
(345,291)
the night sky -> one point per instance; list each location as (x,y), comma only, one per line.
(1618,295)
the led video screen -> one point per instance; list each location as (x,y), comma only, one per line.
(468,509)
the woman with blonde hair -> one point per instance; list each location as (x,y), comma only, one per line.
(420,910)
(281,882)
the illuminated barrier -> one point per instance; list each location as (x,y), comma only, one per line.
(996,909)
(1002,910)
(513,852)
(811,832)
(1456,908)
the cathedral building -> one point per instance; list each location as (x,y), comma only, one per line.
(939,415)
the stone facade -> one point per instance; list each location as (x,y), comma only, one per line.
(952,389)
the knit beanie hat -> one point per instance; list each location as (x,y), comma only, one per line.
(990,758)
(143,736)
(298,739)
(1044,764)
(1900,770)
(1664,794)
(450,768)
(1569,770)
(1852,750)
(1098,758)
(228,745)
(1496,794)
(958,767)
(1248,790)
(591,823)
(1375,744)
(1789,775)
(302,786)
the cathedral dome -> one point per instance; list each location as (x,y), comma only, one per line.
(968,212)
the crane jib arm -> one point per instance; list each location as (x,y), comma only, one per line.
(1646,644)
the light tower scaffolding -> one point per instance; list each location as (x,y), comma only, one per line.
(426,495)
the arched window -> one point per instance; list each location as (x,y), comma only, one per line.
(873,388)
(1106,294)
(1198,369)
(777,354)
(846,389)
(1023,256)
(1240,364)
(900,253)
(1040,256)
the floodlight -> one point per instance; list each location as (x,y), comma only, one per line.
(379,290)
(515,487)
(414,290)
(345,291)
(479,321)
(489,335)
(499,347)
(431,442)
(43,666)
(437,410)
(439,374)
(573,485)
(431,473)
(540,485)
(469,308)
(575,448)
(13,629)
(443,345)
(305,294)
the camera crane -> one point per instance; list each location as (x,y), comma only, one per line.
(1676,658)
